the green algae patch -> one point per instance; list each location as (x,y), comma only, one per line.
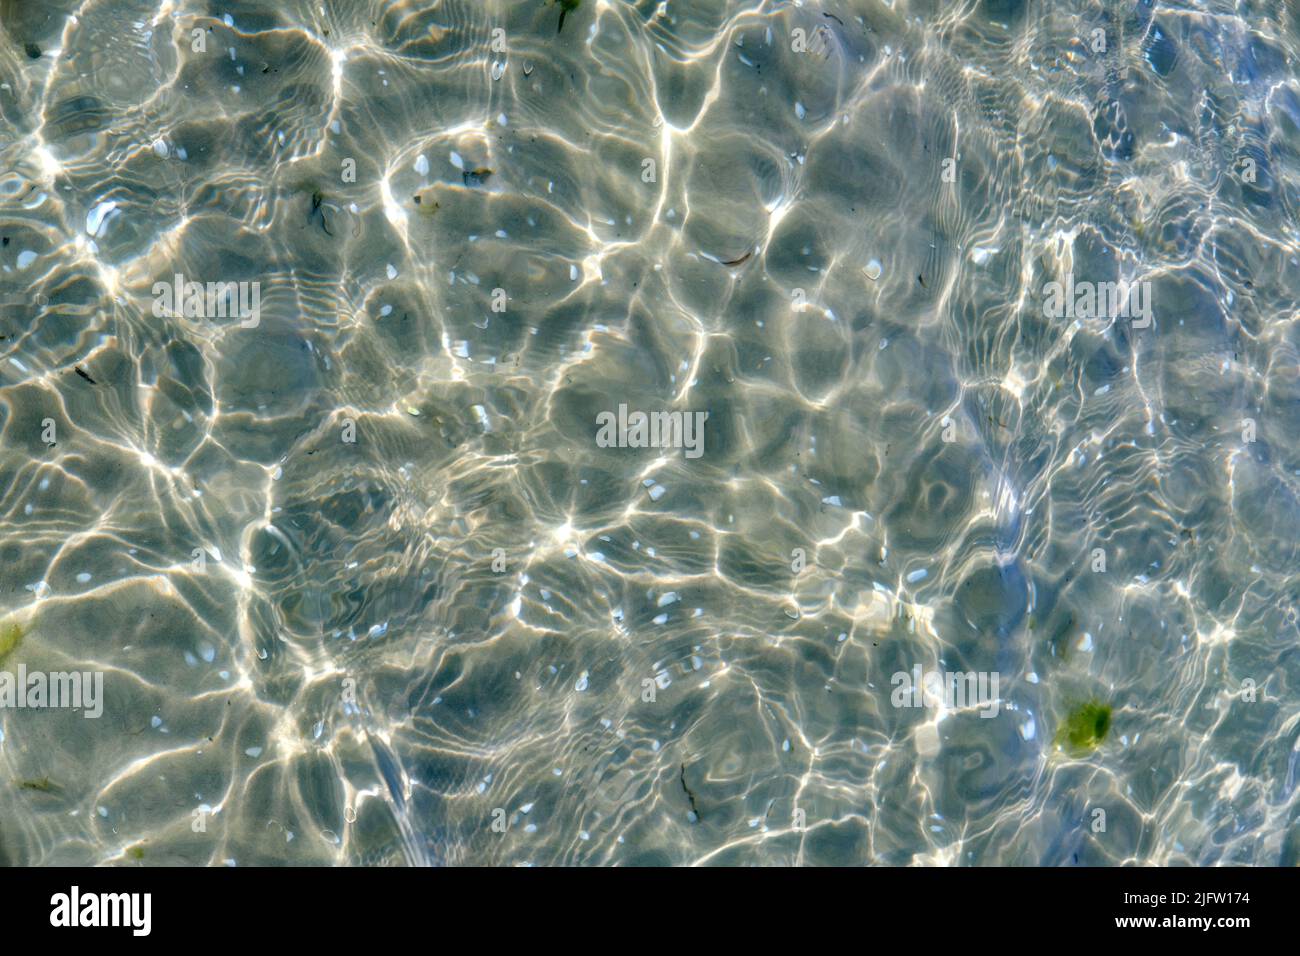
(11,635)
(1084,729)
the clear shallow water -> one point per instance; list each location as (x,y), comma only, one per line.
(463,609)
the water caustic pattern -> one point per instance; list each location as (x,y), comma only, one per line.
(978,323)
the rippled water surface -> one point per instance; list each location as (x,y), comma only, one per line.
(366,585)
